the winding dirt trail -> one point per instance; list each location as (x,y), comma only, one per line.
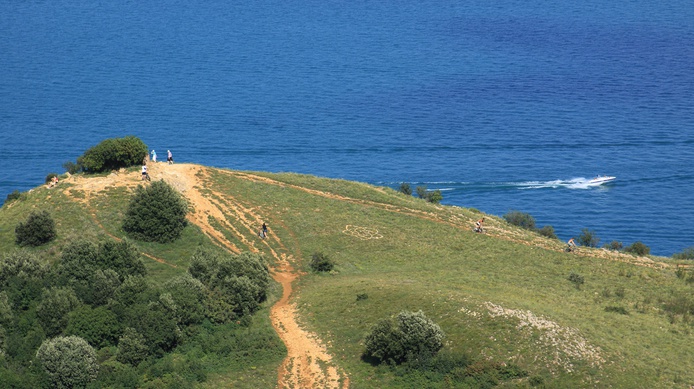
(308,364)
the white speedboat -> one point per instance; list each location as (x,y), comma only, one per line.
(599,180)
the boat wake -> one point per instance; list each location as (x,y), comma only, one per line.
(573,183)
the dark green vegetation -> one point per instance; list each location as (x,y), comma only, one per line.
(87,310)
(38,229)
(156,213)
(525,220)
(512,314)
(432,196)
(110,154)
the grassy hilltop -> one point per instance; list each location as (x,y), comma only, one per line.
(506,298)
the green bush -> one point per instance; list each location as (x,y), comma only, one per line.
(421,191)
(638,248)
(71,167)
(687,253)
(576,279)
(132,348)
(405,188)
(614,246)
(156,213)
(520,219)
(53,310)
(409,336)
(38,229)
(434,197)
(547,231)
(588,238)
(95,272)
(98,326)
(236,284)
(14,195)
(321,262)
(113,154)
(69,362)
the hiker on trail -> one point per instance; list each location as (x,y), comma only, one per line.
(169,157)
(144,172)
(478,225)
(154,156)
(264,229)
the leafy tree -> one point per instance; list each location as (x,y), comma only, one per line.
(409,336)
(96,271)
(54,307)
(22,264)
(638,248)
(113,154)
(520,219)
(156,213)
(240,282)
(588,238)
(434,197)
(421,191)
(614,245)
(69,362)
(98,326)
(38,229)
(158,326)
(122,257)
(132,348)
(405,189)
(189,296)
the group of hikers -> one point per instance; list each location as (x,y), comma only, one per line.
(145,174)
(570,245)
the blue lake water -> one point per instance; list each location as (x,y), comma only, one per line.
(504,105)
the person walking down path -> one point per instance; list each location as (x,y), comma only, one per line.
(154,156)
(264,229)
(169,157)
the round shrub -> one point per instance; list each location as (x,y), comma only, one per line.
(520,219)
(38,229)
(410,335)
(547,231)
(638,248)
(156,213)
(69,362)
(113,154)
(321,262)
(588,238)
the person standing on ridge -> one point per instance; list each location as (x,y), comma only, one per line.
(154,156)
(169,157)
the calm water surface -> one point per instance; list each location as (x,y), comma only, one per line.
(506,105)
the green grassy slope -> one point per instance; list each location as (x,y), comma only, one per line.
(502,296)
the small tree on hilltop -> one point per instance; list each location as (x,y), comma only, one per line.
(405,188)
(638,248)
(38,229)
(157,213)
(113,154)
